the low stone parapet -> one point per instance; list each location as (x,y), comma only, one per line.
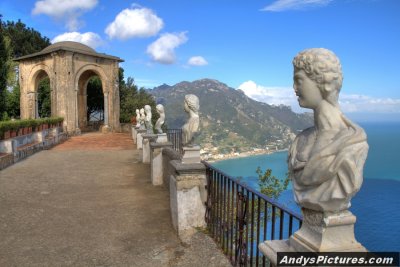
(17,148)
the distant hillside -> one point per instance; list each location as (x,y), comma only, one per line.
(231,121)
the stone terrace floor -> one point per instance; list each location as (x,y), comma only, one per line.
(90,202)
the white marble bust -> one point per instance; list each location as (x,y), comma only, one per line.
(142,119)
(191,127)
(137,118)
(161,119)
(148,122)
(325,161)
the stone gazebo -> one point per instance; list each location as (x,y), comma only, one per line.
(69,66)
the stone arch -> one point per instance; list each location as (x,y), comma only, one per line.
(37,73)
(82,77)
(69,66)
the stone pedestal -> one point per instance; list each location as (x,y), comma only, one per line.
(162,138)
(187,197)
(320,232)
(134,133)
(105,129)
(147,138)
(156,161)
(191,154)
(139,138)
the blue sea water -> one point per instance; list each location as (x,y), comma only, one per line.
(377,205)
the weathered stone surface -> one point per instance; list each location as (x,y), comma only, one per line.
(147,138)
(191,154)
(191,127)
(139,138)
(156,159)
(187,197)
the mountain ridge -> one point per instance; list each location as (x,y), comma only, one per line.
(231,122)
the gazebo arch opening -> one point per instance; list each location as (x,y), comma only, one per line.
(90,101)
(41,94)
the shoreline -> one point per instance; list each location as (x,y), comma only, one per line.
(246,154)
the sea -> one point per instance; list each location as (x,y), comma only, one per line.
(376,205)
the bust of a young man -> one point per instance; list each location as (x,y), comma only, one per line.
(325,161)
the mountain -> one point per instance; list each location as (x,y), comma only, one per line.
(231,121)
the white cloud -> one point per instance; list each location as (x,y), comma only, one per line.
(134,22)
(353,103)
(197,61)
(163,49)
(363,103)
(283,5)
(270,95)
(68,10)
(88,38)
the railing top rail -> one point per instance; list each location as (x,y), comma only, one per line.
(259,194)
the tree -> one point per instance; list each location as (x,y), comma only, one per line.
(132,98)
(44,103)
(270,185)
(3,72)
(16,39)
(95,98)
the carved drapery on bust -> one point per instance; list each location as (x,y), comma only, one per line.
(161,119)
(137,118)
(142,119)
(148,117)
(191,127)
(325,161)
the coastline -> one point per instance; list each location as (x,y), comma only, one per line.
(244,155)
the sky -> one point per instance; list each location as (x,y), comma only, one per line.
(244,44)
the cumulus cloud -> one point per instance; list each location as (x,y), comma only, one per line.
(283,5)
(88,38)
(270,95)
(197,61)
(134,22)
(163,49)
(67,10)
(349,103)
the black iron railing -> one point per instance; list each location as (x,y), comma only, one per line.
(175,137)
(239,218)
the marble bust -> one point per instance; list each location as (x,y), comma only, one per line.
(161,119)
(147,121)
(191,127)
(325,161)
(142,118)
(137,118)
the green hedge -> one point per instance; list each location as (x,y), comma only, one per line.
(19,124)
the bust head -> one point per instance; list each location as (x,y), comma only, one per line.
(142,111)
(160,108)
(192,103)
(147,109)
(321,66)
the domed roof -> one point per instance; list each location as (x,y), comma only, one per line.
(69,44)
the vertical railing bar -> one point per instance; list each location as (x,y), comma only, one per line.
(215,202)
(232,218)
(265,227)
(237,224)
(258,228)
(281,223)
(290,225)
(273,223)
(252,229)
(247,224)
(223,213)
(228,217)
